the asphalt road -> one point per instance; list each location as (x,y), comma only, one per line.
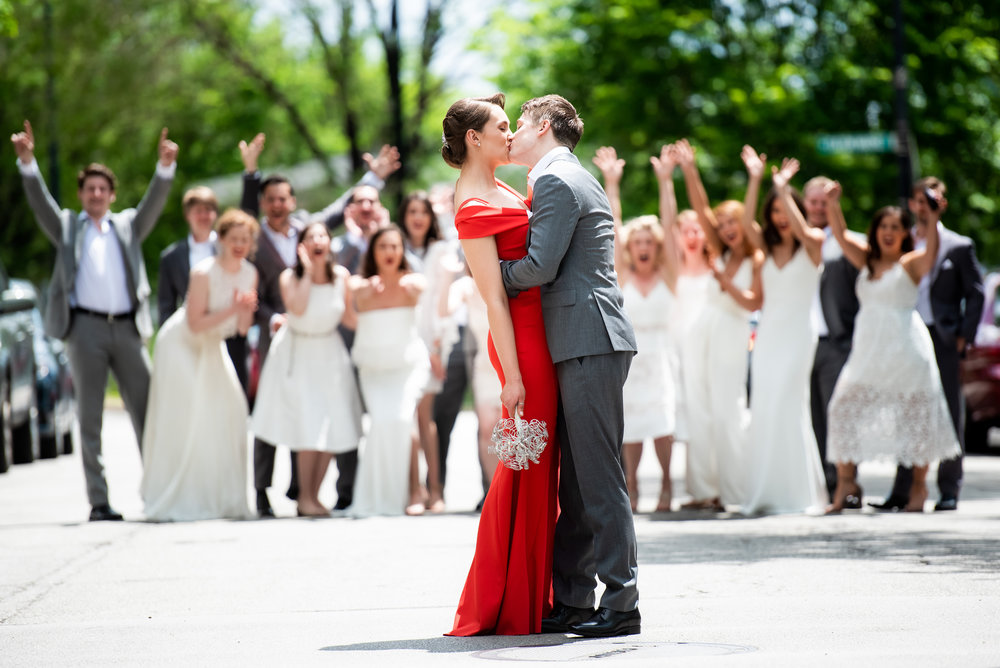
(859,589)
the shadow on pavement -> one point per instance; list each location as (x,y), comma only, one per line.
(448,645)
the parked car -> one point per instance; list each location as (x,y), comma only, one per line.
(981,373)
(53,385)
(18,402)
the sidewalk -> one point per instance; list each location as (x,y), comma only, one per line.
(859,589)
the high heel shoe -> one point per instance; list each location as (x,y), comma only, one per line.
(850,500)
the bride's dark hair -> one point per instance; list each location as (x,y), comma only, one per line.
(470,113)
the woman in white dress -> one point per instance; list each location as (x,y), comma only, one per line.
(425,253)
(716,354)
(393,365)
(307,397)
(646,264)
(888,400)
(194,447)
(784,471)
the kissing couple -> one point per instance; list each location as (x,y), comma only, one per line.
(561,345)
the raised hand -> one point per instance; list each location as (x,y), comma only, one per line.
(305,259)
(781,177)
(833,191)
(755,163)
(684,152)
(663,166)
(167,149)
(24,144)
(385,163)
(249,153)
(610,164)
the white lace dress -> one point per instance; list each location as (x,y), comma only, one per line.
(393,365)
(782,461)
(307,398)
(888,401)
(649,389)
(194,446)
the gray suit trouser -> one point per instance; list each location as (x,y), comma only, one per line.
(94,346)
(595,534)
(829,361)
(949,475)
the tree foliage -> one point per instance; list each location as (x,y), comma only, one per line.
(775,74)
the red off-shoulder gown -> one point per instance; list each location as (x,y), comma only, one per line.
(509,588)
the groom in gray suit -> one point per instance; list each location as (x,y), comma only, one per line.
(571,256)
(99,294)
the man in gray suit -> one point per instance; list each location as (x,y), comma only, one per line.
(571,256)
(950,302)
(99,294)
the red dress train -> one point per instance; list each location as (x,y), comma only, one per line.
(509,587)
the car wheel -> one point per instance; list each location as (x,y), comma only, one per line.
(25,437)
(6,438)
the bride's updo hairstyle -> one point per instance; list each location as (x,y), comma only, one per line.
(470,113)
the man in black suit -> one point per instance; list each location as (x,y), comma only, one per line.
(201,208)
(950,302)
(276,251)
(834,309)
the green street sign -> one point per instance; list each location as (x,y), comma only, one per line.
(867,142)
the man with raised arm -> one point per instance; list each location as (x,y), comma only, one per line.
(99,294)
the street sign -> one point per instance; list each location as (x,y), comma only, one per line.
(866,142)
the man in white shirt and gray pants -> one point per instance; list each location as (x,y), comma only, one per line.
(99,294)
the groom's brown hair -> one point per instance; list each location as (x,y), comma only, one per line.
(567,126)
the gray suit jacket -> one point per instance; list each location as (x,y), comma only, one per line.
(956,288)
(571,247)
(65,230)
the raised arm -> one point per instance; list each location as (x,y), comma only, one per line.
(855,251)
(380,167)
(698,196)
(755,164)
(810,237)
(663,168)
(149,209)
(249,154)
(39,199)
(612,167)
(481,254)
(294,290)
(918,263)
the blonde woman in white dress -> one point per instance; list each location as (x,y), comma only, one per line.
(784,471)
(646,264)
(888,400)
(194,447)
(393,364)
(307,397)
(716,354)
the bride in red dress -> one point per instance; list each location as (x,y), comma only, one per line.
(509,588)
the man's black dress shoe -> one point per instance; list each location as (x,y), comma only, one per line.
(606,623)
(264,509)
(892,504)
(564,616)
(946,503)
(343,503)
(104,514)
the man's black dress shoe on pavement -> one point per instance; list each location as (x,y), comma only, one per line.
(892,504)
(343,503)
(946,503)
(563,617)
(264,509)
(104,514)
(607,623)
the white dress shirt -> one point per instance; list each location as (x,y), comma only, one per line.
(544,163)
(199,250)
(286,244)
(101,282)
